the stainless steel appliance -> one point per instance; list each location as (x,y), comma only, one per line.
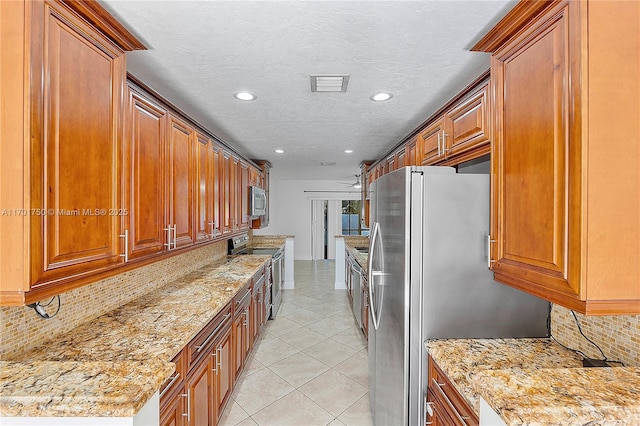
(428,279)
(238,245)
(257,201)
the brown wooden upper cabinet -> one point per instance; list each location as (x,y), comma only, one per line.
(144,154)
(460,133)
(265,166)
(61,182)
(242,195)
(180,226)
(566,154)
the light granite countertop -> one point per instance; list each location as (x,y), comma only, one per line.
(269,241)
(563,396)
(538,382)
(131,344)
(350,243)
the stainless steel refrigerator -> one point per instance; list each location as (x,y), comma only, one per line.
(428,278)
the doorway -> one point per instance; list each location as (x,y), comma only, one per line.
(330,218)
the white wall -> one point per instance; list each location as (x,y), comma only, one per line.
(290,207)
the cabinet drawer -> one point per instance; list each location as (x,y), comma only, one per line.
(206,338)
(176,380)
(241,301)
(444,391)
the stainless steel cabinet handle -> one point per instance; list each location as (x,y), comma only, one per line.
(444,145)
(173,380)
(126,245)
(200,347)
(188,413)
(175,235)
(215,362)
(169,229)
(219,356)
(439,154)
(449,403)
(239,302)
(489,261)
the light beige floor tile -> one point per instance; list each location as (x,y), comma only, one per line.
(303,338)
(281,325)
(330,352)
(272,351)
(330,326)
(359,414)
(232,414)
(336,422)
(333,391)
(305,316)
(352,337)
(260,389)
(356,368)
(294,409)
(298,369)
(251,366)
(247,422)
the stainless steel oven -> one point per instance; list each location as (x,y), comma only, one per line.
(238,246)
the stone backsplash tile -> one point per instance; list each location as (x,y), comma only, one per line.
(618,336)
(21,329)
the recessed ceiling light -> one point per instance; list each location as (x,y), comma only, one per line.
(348,151)
(279,151)
(382,96)
(245,96)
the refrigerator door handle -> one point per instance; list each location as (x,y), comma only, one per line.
(372,301)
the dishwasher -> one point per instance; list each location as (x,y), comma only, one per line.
(356,291)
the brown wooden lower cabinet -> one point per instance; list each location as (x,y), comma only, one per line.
(241,329)
(445,405)
(207,368)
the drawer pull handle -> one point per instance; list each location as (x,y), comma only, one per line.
(173,380)
(239,302)
(200,347)
(449,403)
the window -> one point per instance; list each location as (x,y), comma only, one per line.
(352,218)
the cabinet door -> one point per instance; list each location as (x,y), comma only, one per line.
(75,143)
(204,189)
(411,154)
(468,124)
(144,170)
(430,140)
(216,184)
(200,394)
(532,160)
(401,158)
(181,181)
(230,187)
(242,195)
(238,344)
(440,413)
(224,371)
(173,413)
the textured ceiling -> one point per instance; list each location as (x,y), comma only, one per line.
(201,52)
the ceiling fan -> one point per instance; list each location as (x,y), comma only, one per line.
(356,184)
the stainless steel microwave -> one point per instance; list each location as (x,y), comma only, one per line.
(257,201)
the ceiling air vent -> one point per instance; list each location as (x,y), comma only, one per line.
(329,164)
(329,82)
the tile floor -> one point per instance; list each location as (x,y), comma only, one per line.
(309,366)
